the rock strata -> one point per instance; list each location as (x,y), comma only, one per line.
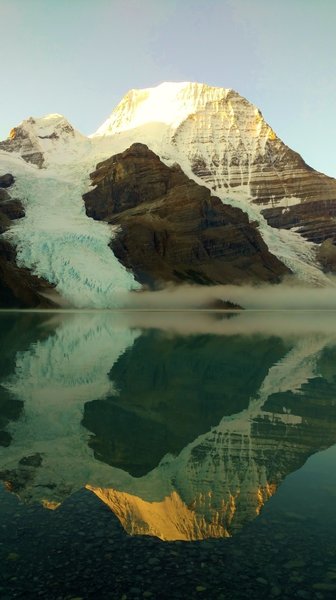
(314,220)
(230,146)
(252,156)
(172,229)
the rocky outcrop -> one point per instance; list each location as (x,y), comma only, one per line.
(18,287)
(10,209)
(6,180)
(172,229)
(314,220)
(22,141)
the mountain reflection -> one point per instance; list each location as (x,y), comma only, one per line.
(184,424)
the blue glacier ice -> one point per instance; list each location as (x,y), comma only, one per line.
(58,242)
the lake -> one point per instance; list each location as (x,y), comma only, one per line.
(182,454)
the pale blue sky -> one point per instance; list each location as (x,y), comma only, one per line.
(79,57)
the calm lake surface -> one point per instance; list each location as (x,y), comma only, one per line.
(167,455)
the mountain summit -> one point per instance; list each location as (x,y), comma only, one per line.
(43,139)
(218,136)
(168,103)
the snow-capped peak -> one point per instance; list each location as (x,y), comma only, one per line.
(39,139)
(53,125)
(168,103)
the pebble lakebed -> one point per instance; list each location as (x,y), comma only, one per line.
(80,551)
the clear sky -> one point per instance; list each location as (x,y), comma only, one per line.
(79,57)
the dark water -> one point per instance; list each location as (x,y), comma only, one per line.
(168,455)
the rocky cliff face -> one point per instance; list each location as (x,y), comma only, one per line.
(237,149)
(10,209)
(172,229)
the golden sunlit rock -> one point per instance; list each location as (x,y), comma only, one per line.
(170,519)
(50,505)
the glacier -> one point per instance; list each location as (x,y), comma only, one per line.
(58,242)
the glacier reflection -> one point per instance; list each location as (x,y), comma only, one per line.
(183,424)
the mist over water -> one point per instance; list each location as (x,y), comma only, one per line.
(285,296)
(286,325)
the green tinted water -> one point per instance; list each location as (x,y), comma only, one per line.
(168,455)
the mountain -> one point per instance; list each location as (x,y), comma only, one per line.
(219,140)
(224,140)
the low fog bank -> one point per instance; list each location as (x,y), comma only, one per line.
(288,325)
(285,296)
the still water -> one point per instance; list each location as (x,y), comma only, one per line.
(167,455)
